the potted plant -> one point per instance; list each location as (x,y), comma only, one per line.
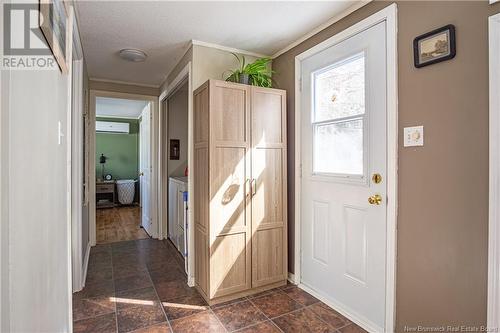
(258,73)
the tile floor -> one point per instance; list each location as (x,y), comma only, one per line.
(119,224)
(139,286)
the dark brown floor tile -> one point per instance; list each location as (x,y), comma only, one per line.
(105,288)
(352,328)
(92,307)
(276,304)
(262,293)
(170,290)
(300,296)
(121,271)
(132,298)
(138,281)
(203,322)
(303,321)
(168,273)
(100,248)
(263,327)
(124,251)
(139,317)
(99,274)
(100,256)
(153,265)
(102,324)
(128,260)
(215,306)
(184,306)
(239,315)
(158,328)
(332,317)
(125,244)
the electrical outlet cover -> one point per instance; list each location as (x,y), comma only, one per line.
(414,136)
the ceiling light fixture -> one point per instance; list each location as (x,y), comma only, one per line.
(133,55)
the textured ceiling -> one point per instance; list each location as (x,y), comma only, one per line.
(117,107)
(163,29)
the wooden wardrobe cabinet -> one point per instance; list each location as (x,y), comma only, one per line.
(240,210)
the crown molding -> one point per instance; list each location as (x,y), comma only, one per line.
(228,49)
(95,79)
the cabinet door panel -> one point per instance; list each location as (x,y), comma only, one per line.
(201,259)
(229,111)
(230,224)
(228,192)
(269,218)
(268,252)
(230,266)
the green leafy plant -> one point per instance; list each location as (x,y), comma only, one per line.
(258,72)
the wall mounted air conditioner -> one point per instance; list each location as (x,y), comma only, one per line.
(112,127)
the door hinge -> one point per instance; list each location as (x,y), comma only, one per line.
(300,84)
(300,175)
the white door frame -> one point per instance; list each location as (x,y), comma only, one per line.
(389,15)
(494,176)
(154,156)
(184,74)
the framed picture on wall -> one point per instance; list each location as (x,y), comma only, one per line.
(54,23)
(435,46)
(175,149)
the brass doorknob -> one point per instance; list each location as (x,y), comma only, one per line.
(375,199)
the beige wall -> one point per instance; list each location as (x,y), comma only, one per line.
(186,58)
(210,63)
(443,186)
(124,88)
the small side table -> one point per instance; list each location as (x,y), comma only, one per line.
(105,194)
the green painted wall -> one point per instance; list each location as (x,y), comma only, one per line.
(121,150)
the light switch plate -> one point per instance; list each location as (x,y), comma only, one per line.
(414,136)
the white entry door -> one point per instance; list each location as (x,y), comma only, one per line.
(145,169)
(343,153)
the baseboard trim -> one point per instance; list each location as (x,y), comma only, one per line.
(191,282)
(291,278)
(86,264)
(348,313)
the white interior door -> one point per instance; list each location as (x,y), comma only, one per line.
(343,128)
(145,169)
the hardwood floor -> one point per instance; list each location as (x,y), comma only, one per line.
(119,224)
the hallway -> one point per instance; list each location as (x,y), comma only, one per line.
(119,224)
(139,286)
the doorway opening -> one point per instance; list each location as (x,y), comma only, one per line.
(122,169)
(175,161)
(121,162)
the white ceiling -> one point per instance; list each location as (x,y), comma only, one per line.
(117,107)
(163,29)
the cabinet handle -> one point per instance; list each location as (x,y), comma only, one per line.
(254,186)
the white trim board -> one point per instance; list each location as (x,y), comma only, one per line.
(154,156)
(127,83)
(493,321)
(86,264)
(357,5)
(77,174)
(184,74)
(228,49)
(389,15)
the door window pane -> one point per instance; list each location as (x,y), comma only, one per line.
(339,90)
(338,147)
